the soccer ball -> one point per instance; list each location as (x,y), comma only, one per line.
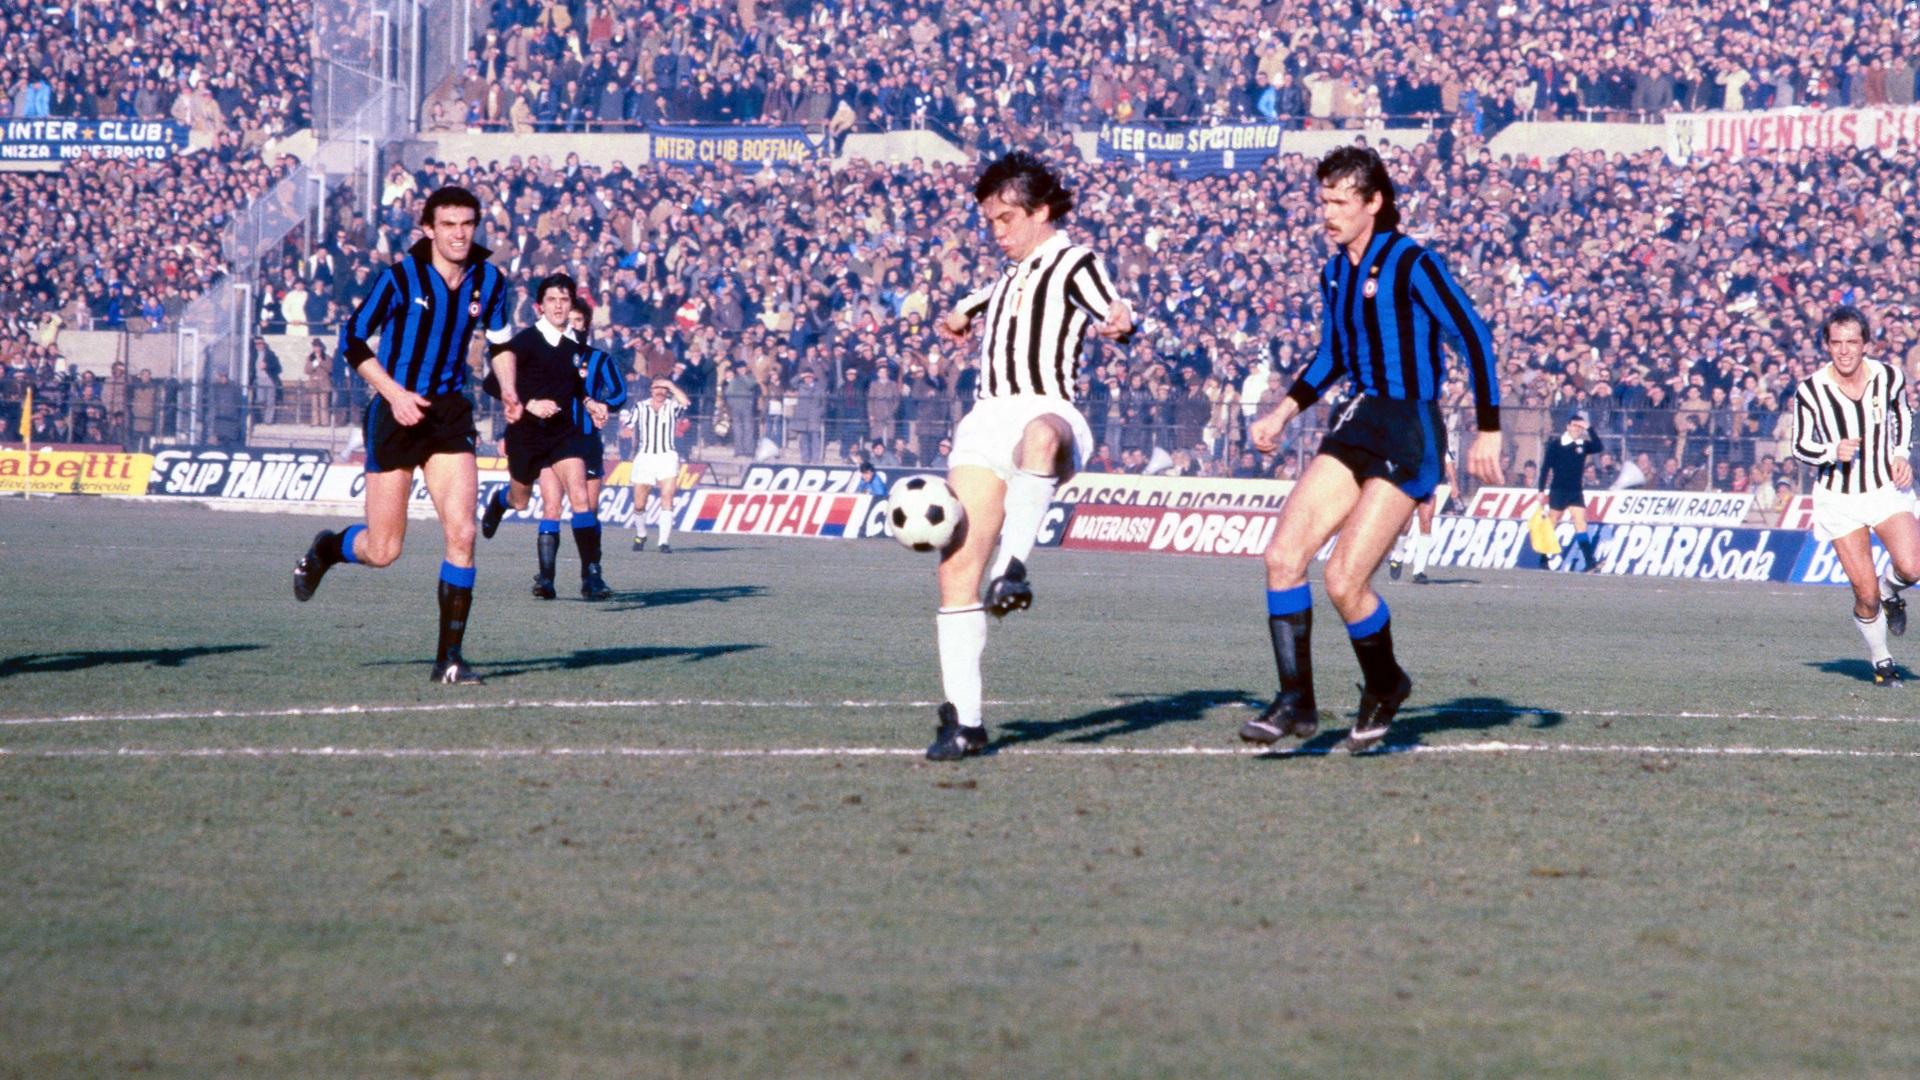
(923,513)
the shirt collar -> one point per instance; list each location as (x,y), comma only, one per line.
(552,335)
(1049,246)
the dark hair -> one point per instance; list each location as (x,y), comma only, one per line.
(1363,166)
(584,306)
(1024,181)
(557,281)
(1843,314)
(449,196)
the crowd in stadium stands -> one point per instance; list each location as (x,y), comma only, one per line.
(967,68)
(1675,302)
(214,65)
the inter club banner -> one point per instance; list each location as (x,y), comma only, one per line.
(1781,131)
(744,146)
(64,140)
(1196,151)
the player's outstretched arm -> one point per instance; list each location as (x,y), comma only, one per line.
(505,366)
(955,325)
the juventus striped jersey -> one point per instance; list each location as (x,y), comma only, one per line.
(1037,315)
(424,325)
(604,384)
(1881,419)
(1383,324)
(652,428)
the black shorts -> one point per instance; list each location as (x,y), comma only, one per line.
(1401,442)
(589,450)
(536,445)
(1560,500)
(446,429)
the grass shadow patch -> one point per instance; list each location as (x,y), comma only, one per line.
(1411,726)
(583,659)
(1120,720)
(1852,668)
(42,663)
(658,598)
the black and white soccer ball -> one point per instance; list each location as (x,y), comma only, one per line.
(923,513)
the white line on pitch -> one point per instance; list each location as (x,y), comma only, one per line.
(496,753)
(472,706)
(1517,713)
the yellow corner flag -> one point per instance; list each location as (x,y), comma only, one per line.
(26,417)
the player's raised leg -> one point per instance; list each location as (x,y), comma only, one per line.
(454,484)
(1900,535)
(1044,457)
(1312,514)
(960,626)
(376,543)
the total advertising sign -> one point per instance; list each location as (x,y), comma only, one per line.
(69,472)
(770,513)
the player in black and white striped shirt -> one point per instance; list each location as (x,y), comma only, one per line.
(656,458)
(1024,435)
(1851,419)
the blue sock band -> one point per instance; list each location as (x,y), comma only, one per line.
(1289,601)
(1370,625)
(461,576)
(346,542)
(586,519)
(547,526)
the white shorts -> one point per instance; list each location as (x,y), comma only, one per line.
(989,436)
(1835,516)
(652,469)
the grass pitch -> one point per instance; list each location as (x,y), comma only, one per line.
(1633,827)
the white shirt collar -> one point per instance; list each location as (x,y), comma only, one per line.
(548,331)
(1047,247)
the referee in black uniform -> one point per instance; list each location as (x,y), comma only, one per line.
(1388,304)
(424,309)
(539,380)
(1563,479)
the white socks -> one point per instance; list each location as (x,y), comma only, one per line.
(1891,583)
(1421,543)
(1029,494)
(1875,631)
(665,516)
(962,633)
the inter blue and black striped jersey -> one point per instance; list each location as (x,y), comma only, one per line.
(604,384)
(1383,325)
(1823,414)
(424,325)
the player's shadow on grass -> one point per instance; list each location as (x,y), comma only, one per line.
(1119,720)
(1859,670)
(39,663)
(659,598)
(581,659)
(1412,725)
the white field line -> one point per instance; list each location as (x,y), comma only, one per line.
(1519,715)
(493,754)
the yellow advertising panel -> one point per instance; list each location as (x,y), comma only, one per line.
(75,473)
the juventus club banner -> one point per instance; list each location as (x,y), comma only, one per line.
(1208,151)
(1780,131)
(64,140)
(744,146)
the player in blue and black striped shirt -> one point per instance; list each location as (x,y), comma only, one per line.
(1389,305)
(424,309)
